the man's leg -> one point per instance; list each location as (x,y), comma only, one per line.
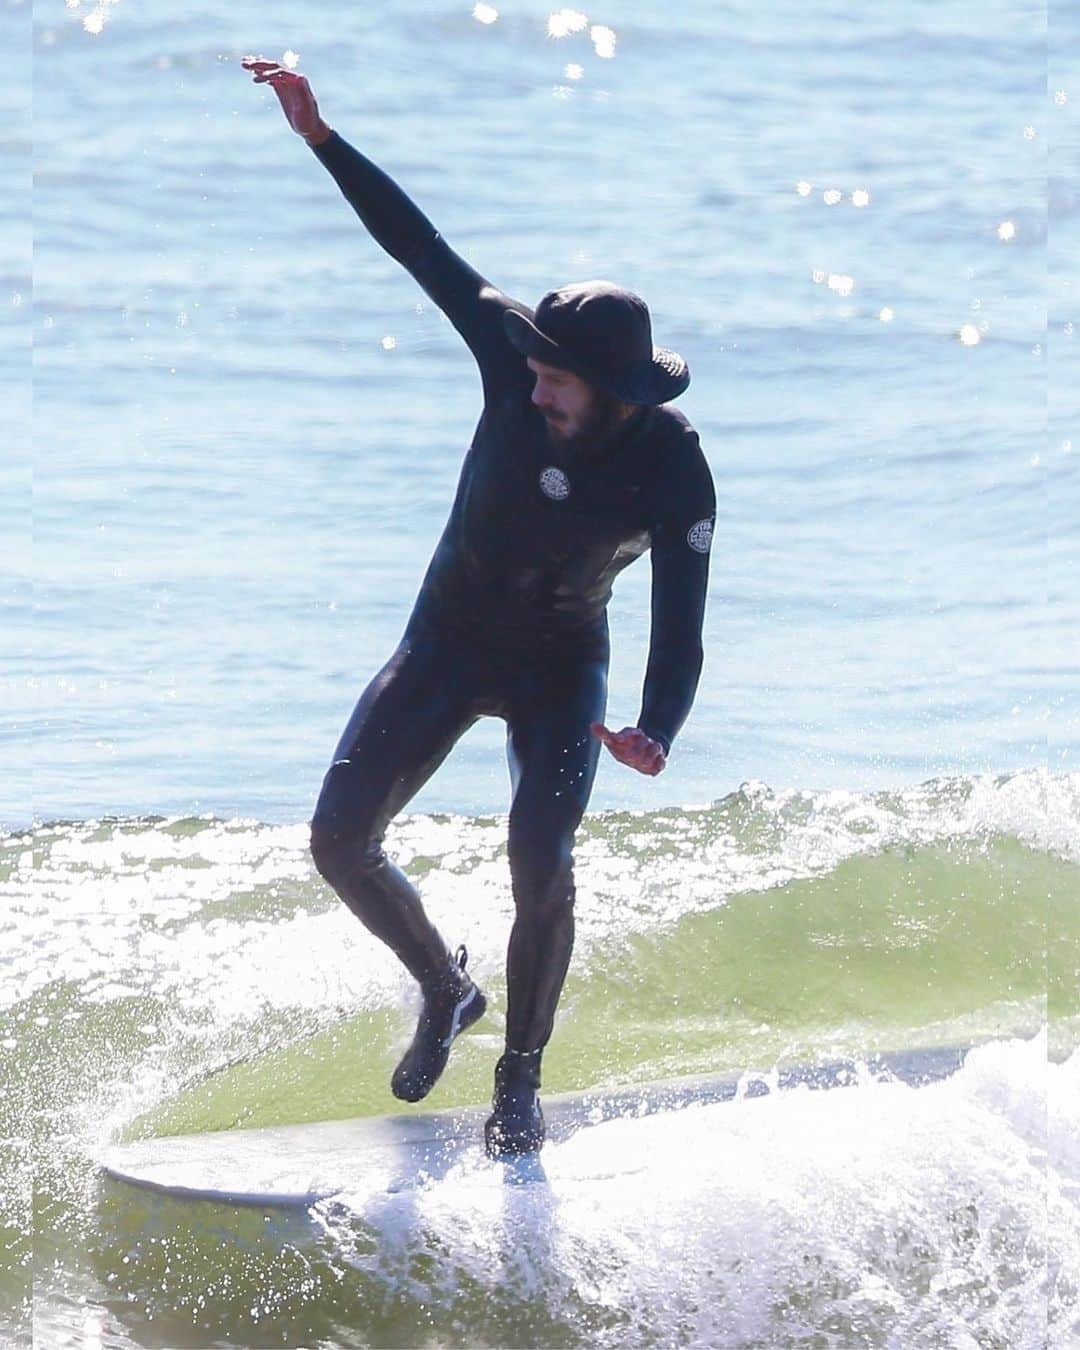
(404,725)
(553,757)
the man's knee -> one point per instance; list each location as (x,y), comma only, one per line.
(338,856)
(329,850)
(343,840)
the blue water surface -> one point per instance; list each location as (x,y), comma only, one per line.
(855,222)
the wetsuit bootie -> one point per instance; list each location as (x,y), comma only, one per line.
(450,1006)
(516,1124)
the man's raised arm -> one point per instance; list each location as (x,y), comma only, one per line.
(394,221)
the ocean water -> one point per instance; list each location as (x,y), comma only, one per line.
(235,428)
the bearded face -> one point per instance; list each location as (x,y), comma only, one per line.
(578,417)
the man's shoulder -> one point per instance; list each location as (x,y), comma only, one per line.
(680,469)
(502,365)
(498,301)
(670,415)
(671,426)
(673,439)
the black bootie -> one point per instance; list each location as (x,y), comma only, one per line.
(450,1005)
(516,1124)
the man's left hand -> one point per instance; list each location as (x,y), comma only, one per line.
(632,747)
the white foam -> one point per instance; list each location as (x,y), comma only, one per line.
(155,905)
(894,1216)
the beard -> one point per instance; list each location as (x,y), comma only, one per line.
(596,430)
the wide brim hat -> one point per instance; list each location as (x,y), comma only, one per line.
(603,334)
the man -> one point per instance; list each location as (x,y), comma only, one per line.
(575,469)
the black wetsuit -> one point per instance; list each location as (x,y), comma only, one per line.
(511,622)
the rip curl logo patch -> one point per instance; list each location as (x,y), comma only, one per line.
(700,536)
(555,484)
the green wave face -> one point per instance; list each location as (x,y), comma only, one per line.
(936,945)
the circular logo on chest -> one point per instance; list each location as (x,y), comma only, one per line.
(554,484)
(700,536)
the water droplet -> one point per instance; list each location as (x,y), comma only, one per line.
(603,41)
(566,21)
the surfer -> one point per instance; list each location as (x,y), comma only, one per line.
(576,468)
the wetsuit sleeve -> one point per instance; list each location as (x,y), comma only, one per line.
(471,303)
(682,534)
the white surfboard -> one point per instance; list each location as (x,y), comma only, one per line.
(298,1165)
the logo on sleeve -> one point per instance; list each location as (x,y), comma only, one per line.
(700,536)
(555,484)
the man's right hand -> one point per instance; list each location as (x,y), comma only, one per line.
(295,96)
(632,747)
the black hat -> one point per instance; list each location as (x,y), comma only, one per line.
(603,334)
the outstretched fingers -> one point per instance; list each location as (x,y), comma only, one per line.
(294,94)
(270,72)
